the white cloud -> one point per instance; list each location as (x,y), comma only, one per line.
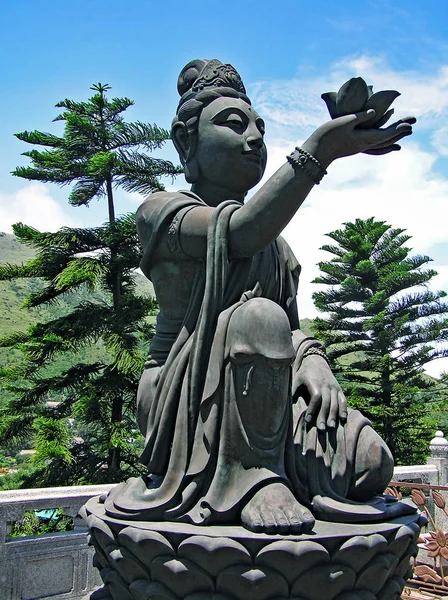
(34,206)
(440,141)
(296,102)
(132,197)
(402,188)
(441,280)
(436,367)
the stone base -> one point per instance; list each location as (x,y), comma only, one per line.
(177,561)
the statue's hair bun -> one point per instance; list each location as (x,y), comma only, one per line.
(189,74)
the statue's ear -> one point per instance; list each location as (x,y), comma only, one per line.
(186,150)
(179,135)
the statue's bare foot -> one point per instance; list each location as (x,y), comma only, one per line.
(274,509)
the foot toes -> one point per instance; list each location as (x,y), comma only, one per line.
(274,510)
(255,525)
(296,529)
(307,526)
(307,521)
(270,524)
(283,523)
(302,522)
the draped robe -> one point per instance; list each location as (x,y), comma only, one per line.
(187,409)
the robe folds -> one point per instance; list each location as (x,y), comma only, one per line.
(187,407)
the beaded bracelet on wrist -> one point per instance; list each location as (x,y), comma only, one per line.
(302,159)
(313,351)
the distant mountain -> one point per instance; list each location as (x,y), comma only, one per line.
(12,251)
(305,326)
(13,293)
(15,318)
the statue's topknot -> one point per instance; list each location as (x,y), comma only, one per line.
(202,74)
(189,74)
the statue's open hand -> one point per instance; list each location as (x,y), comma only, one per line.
(327,404)
(345,136)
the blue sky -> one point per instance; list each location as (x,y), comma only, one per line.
(287,51)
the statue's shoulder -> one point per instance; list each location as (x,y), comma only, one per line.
(162,204)
(157,201)
(154,219)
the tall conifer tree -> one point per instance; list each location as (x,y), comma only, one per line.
(382,325)
(97,153)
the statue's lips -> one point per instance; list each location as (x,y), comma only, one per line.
(254,156)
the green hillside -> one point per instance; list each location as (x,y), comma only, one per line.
(12,251)
(13,293)
(13,317)
(306,326)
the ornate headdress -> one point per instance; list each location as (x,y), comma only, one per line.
(201,75)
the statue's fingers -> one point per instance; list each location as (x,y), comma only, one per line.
(384,137)
(342,402)
(334,409)
(361,117)
(315,401)
(385,150)
(400,128)
(390,141)
(297,382)
(409,120)
(324,409)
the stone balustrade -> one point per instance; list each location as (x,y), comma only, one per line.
(57,566)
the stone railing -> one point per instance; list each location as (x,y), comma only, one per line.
(435,472)
(57,566)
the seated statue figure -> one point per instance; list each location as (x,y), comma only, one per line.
(244,422)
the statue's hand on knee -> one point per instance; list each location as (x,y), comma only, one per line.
(327,404)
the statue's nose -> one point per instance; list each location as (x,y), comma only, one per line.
(255,140)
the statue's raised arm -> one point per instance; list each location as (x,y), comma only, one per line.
(219,137)
(244,422)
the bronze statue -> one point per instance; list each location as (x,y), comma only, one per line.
(244,422)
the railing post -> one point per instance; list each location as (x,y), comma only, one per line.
(439,456)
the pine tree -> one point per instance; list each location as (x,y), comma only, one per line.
(383,325)
(97,153)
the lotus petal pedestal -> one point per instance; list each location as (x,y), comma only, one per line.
(175,561)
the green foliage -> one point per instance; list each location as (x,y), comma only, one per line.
(93,272)
(34,524)
(52,440)
(88,386)
(97,151)
(382,326)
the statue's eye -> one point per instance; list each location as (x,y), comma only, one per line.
(235,122)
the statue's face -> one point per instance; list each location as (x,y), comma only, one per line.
(230,149)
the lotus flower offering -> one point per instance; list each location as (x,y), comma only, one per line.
(356,96)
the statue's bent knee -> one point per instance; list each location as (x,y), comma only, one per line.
(259,346)
(374,466)
(260,328)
